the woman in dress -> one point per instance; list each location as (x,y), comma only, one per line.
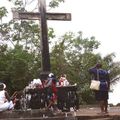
(102,94)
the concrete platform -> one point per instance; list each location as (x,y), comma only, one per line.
(87,113)
(92,113)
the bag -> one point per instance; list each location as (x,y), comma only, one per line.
(95,85)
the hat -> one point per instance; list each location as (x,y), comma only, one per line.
(51,75)
(2,86)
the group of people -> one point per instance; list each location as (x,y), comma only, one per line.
(48,90)
(101,95)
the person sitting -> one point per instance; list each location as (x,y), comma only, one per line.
(16,98)
(5,102)
(63,80)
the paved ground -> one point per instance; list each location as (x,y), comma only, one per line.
(92,114)
(93,111)
(84,113)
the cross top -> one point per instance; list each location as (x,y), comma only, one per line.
(43,16)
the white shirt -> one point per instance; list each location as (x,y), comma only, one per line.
(2,96)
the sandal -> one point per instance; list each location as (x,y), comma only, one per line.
(102,113)
(106,113)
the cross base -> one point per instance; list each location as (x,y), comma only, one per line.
(44,75)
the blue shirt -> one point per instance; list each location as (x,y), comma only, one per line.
(101,75)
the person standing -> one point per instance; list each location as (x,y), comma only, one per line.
(51,91)
(101,95)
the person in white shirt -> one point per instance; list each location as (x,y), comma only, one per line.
(63,80)
(5,102)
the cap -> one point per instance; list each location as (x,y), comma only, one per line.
(51,75)
(2,86)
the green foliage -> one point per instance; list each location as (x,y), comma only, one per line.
(74,55)
(3,12)
(19,5)
(86,95)
(17,67)
(55,3)
(51,33)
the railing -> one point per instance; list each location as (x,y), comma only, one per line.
(67,97)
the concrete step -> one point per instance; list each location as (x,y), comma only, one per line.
(38,118)
(32,114)
(103,119)
(59,118)
(81,114)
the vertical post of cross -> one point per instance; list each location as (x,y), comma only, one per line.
(44,40)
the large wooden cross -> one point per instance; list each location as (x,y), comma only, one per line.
(43,17)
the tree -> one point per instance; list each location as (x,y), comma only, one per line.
(21,55)
(74,55)
(18,67)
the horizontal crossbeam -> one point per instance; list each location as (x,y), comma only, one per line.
(36,16)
